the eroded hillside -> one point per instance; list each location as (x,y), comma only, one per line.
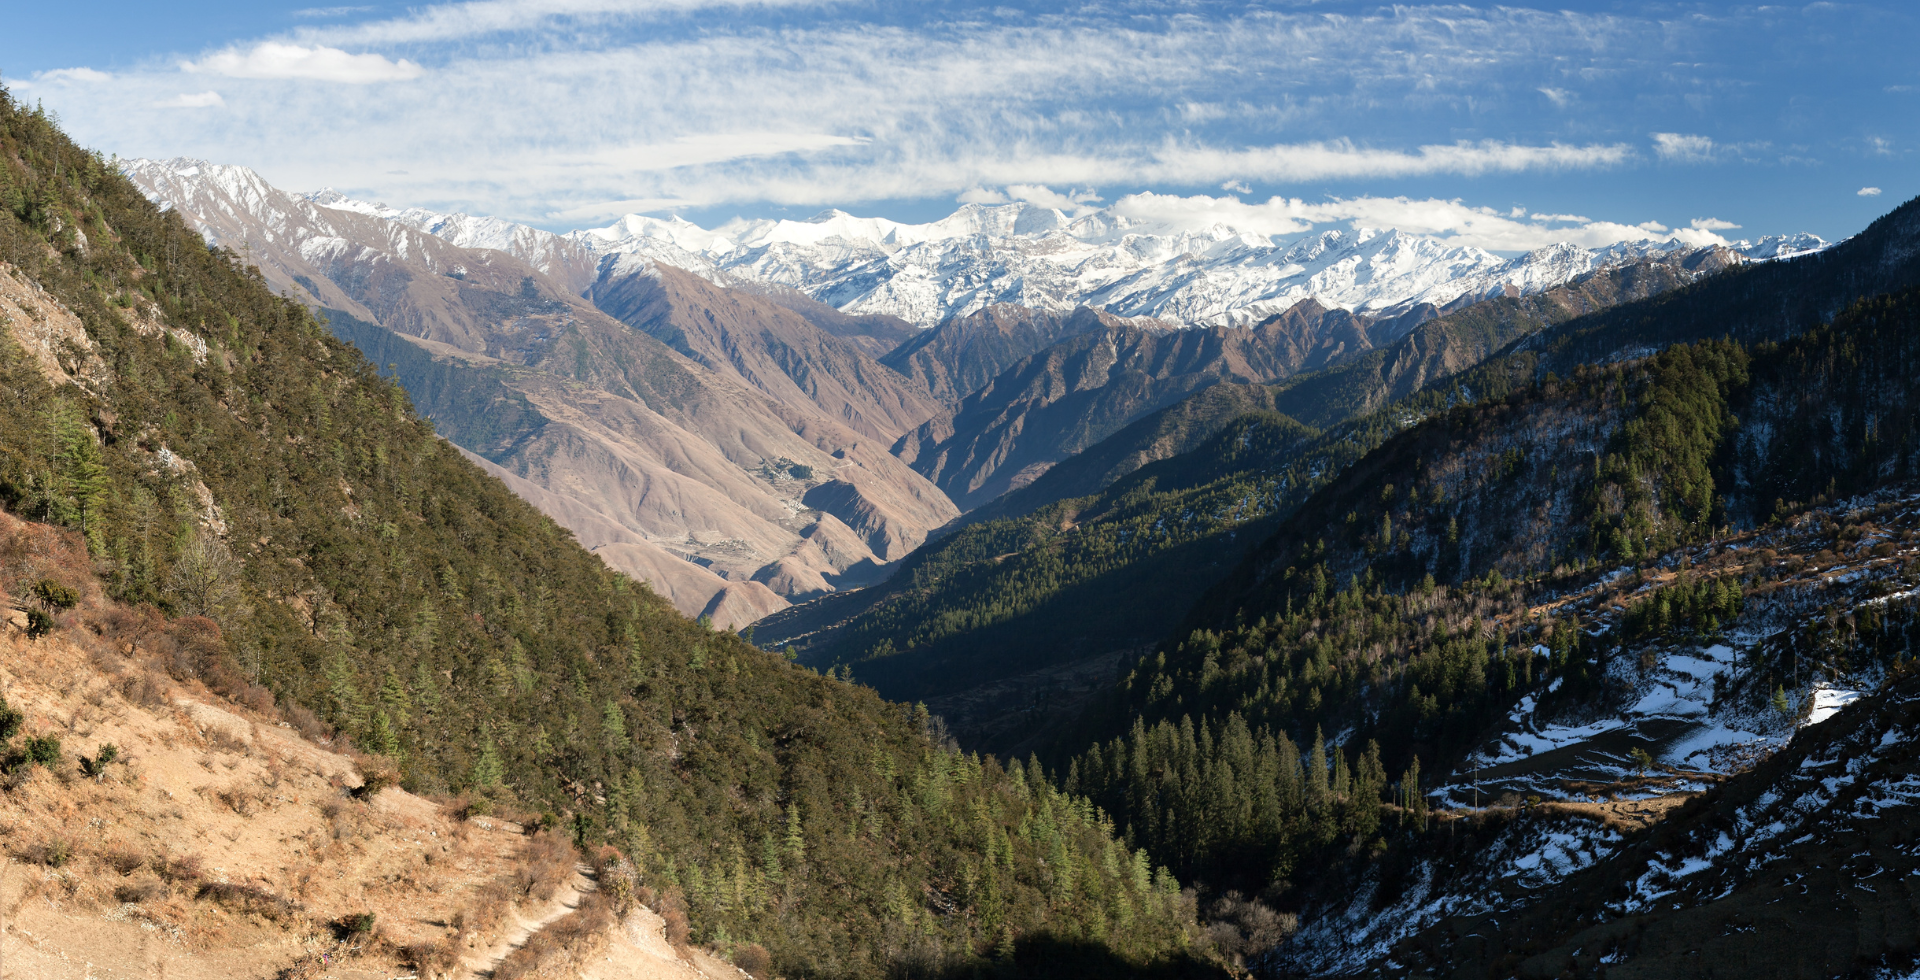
(156,828)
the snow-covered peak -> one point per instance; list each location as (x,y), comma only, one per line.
(1138,260)
(1781,246)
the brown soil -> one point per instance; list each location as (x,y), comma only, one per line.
(221,844)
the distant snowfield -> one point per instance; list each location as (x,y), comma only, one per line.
(1039,257)
(1027,255)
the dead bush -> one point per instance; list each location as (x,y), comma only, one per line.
(677,929)
(570,933)
(605,857)
(753,959)
(673,910)
(53,852)
(488,910)
(178,870)
(549,860)
(307,723)
(123,859)
(250,900)
(432,957)
(1243,928)
(240,800)
(222,740)
(139,891)
(146,689)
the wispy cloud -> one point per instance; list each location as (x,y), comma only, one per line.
(83,75)
(193,100)
(1683,148)
(461,21)
(1342,159)
(546,110)
(274,60)
(1452,220)
(1868,192)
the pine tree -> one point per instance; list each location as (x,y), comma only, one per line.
(427,687)
(487,770)
(613,727)
(381,739)
(394,702)
(796,842)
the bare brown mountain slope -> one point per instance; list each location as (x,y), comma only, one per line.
(875,333)
(1444,343)
(773,348)
(963,354)
(1083,389)
(219,842)
(619,431)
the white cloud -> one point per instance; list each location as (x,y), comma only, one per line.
(687,151)
(1452,221)
(981,195)
(580,112)
(615,209)
(1711,224)
(1071,202)
(1868,192)
(273,59)
(1682,148)
(458,21)
(73,75)
(194,100)
(1341,159)
(1558,96)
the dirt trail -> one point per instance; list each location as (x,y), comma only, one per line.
(565,899)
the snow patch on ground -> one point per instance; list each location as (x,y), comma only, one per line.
(1828,701)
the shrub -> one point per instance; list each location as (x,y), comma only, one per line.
(137,892)
(43,750)
(145,689)
(125,860)
(181,870)
(549,861)
(433,957)
(52,852)
(673,910)
(356,924)
(39,624)
(307,723)
(753,959)
(677,929)
(250,899)
(371,783)
(54,594)
(97,765)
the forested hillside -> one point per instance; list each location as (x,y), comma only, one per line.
(253,481)
(1402,613)
(1029,591)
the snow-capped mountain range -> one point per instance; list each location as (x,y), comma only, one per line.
(1038,257)
(1028,255)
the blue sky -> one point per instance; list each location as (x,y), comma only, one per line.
(1502,126)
